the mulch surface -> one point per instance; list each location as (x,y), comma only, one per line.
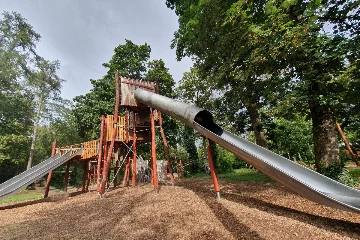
(247,210)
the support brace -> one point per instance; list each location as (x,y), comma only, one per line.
(212,170)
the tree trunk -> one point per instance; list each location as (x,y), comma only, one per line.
(325,137)
(32,148)
(259,133)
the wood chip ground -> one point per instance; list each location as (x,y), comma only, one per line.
(247,210)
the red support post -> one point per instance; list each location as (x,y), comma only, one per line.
(84,178)
(181,168)
(126,173)
(88,175)
(153,151)
(126,125)
(177,166)
(47,187)
(133,182)
(110,150)
(66,182)
(98,170)
(212,170)
(115,177)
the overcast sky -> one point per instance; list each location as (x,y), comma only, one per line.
(83,34)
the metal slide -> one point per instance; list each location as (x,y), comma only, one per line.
(304,181)
(22,180)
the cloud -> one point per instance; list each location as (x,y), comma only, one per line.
(83,35)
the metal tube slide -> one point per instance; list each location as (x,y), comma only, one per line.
(296,177)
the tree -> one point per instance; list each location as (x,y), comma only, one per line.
(157,72)
(17,52)
(226,53)
(130,60)
(188,138)
(46,87)
(256,47)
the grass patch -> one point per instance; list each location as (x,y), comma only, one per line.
(245,174)
(354,173)
(201,176)
(21,197)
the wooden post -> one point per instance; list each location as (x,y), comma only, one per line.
(115,177)
(126,173)
(181,168)
(66,182)
(115,127)
(88,175)
(98,170)
(84,178)
(353,156)
(133,182)
(176,166)
(47,187)
(126,125)
(167,153)
(153,151)
(212,170)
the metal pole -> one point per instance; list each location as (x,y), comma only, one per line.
(212,170)
(47,187)
(153,151)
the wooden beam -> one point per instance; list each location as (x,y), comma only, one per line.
(47,187)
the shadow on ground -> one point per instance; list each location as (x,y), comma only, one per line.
(345,228)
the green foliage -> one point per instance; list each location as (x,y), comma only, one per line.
(157,72)
(244,175)
(340,174)
(17,51)
(263,53)
(130,60)
(189,145)
(291,138)
(355,174)
(225,161)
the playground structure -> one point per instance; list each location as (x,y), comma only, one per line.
(119,137)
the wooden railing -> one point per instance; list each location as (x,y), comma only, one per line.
(90,149)
(120,133)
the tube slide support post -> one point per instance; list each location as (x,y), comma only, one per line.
(212,170)
(47,187)
(153,151)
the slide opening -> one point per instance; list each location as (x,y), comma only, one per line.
(205,119)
